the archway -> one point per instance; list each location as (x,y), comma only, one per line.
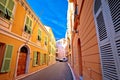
(22,61)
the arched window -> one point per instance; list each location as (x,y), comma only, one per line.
(107,20)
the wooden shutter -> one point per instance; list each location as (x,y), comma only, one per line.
(10,7)
(41,59)
(34,58)
(109,61)
(7,58)
(3,5)
(39,34)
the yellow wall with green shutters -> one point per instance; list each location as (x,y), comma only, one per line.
(14,36)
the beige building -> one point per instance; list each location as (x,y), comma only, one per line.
(51,46)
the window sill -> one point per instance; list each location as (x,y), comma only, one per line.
(26,35)
(6,24)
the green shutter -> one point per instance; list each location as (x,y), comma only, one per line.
(34,58)
(39,34)
(41,59)
(7,58)
(10,7)
(27,20)
(3,5)
(30,23)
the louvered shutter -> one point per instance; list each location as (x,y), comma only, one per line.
(7,59)
(39,35)
(27,25)
(34,58)
(30,26)
(3,5)
(114,8)
(41,59)
(10,7)
(110,70)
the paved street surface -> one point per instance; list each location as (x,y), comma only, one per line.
(58,71)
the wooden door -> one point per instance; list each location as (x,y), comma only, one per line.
(22,63)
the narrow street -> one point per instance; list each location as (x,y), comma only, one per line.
(57,71)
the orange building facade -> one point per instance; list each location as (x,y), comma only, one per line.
(95,39)
(23,40)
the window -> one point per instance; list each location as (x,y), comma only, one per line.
(106,16)
(6,8)
(28,25)
(36,59)
(6,56)
(45,40)
(39,35)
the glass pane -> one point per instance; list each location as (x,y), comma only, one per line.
(10,5)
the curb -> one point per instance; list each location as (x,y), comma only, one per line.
(72,72)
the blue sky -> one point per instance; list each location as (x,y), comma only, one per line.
(52,13)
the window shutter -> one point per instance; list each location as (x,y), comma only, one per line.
(7,58)
(41,59)
(97,5)
(27,21)
(39,34)
(10,7)
(3,5)
(30,24)
(115,13)
(106,44)
(101,27)
(34,58)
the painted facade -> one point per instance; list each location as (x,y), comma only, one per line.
(23,40)
(96,39)
(61,48)
(51,46)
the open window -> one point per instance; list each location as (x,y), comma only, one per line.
(28,25)
(6,9)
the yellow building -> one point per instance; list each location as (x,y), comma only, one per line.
(23,40)
(52,46)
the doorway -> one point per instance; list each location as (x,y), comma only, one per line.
(22,61)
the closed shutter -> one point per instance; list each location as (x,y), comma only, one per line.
(3,5)
(114,6)
(10,7)
(34,58)
(41,59)
(7,58)
(109,63)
